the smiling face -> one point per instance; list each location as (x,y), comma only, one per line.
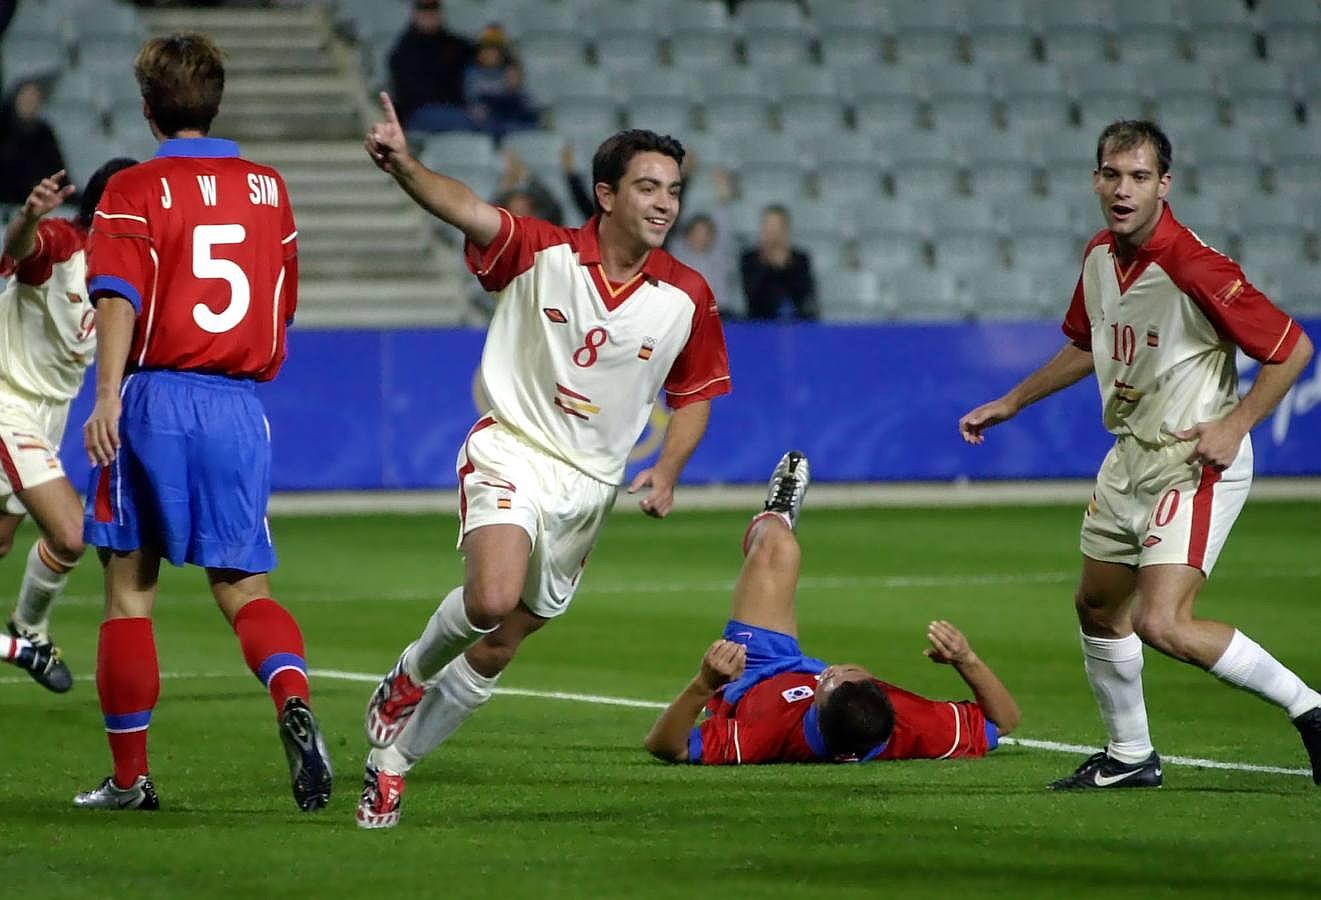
(1131,190)
(645,205)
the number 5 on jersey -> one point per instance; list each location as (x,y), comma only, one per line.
(205,265)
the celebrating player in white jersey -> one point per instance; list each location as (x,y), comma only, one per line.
(1157,315)
(47,341)
(590,324)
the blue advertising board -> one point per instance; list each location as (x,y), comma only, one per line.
(388,409)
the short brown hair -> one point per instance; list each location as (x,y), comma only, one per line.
(182,77)
(615,153)
(1128,134)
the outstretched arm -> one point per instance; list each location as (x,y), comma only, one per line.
(445,198)
(950,647)
(21,235)
(1068,366)
(668,738)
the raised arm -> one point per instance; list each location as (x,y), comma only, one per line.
(951,648)
(668,738)
(445,198)
(21,235)
(1070,365)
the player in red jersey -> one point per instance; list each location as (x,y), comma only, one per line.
(193,267)
(1157,315)
(768,703)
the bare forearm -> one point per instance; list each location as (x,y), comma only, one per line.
(1270,386)
(114,336)
(1069,366)
(21,235)
(687,425)
(668,738)
(992,696)
(449,200)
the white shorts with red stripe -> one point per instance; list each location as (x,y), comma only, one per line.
(504,480)
(1151,507)
(30,433)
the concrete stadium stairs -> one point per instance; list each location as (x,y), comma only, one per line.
(295,100)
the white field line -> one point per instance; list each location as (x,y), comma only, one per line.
(820,582)
(598,699)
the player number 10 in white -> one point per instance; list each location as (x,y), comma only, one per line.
(205,237)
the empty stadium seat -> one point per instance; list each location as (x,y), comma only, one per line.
(927,33)
(850,296)
(1033,95)
(1001,163)
(1300,289)
(1260,96)
(1074,31)
(702,50)
(959,99)
(921,164)
(661,115)
(1223,47)
(1295,161)
(777,48)
(1000,33)
(1004,294)
(926,295)
(885,98)
(626,52)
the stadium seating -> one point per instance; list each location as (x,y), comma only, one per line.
(903,136)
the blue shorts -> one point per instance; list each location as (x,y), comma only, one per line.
(770,653)
(192,476)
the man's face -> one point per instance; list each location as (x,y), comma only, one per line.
(428,19)
(1130,190)
(833,676)
(774,231)
(646,204)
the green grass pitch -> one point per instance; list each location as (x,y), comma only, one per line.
(555,798)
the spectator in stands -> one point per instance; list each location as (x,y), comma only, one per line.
(523,193)
(427,67)
(579,190)
(493,88)
(777,277)
(29,150)
(706,243)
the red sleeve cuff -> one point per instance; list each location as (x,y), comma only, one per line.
(481,260)
(714,388)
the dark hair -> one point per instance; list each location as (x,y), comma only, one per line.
(96,186)
(856,718)
(182,77)
(613,156)
(1129,133)
(777,209)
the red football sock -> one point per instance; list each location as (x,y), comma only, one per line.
(273,649)
(128,681)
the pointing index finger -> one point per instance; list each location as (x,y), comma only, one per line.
(391,117)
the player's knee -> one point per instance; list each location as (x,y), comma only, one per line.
(775,547)
(486,607)
(66,545)
(1158,630)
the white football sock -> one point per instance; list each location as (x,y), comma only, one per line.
(41,585)
(448,633)
(451,697)
(10,647)
(1246,665)
(1114,669)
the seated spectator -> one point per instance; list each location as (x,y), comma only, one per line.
(29,150)
(777,277)
(523,194)
(579,189)
(427,68)
(493,88)
(705,242)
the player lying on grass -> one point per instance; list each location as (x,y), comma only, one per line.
(769,703)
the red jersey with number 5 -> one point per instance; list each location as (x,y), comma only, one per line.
(202,243)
